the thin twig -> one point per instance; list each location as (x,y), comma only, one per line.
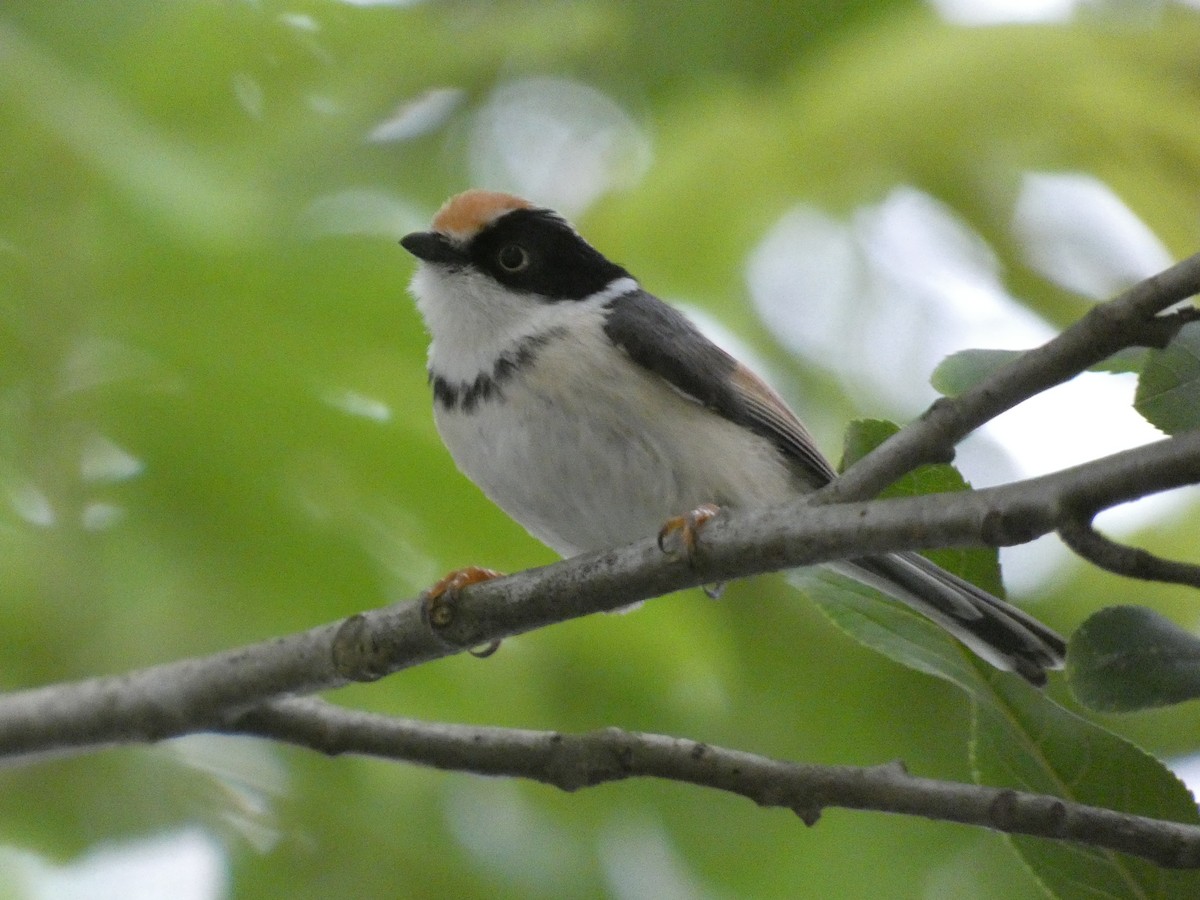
(1130,320)
(240,688)
(575,761)
(1079,533)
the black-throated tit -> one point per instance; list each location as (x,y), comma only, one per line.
(591,411)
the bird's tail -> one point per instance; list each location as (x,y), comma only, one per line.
(997,631)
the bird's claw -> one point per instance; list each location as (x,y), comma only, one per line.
(437,603)
(686,530)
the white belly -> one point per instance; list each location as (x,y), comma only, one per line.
(581,463)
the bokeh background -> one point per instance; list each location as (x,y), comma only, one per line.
(215,427)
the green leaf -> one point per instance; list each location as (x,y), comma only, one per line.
(1022,739)
(966,368)
(1128,657)
(961,371)
(862,436)
(979,565)
(1131,359)
(1168,393)
(886,625)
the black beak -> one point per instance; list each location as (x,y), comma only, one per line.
(433,247)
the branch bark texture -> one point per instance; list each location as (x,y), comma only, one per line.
(207,692)
(575,761)
(1134,319)
(241,690)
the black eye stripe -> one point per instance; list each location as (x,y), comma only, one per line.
(558,264)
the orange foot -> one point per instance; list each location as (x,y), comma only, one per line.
(688,527)
(437,601)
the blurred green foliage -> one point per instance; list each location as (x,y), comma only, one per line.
(215,427)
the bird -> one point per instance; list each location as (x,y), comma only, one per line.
(592,412)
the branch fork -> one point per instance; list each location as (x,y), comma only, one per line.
(258,689)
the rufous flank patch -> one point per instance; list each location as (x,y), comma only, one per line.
(463,215)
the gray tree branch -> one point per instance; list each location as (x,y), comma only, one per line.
(1136,318)
(574,761)
(209,692)
(1078,532)
(241,688)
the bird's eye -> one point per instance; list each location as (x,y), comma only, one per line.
(512,258)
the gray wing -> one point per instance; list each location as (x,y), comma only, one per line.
(661,339)
(696,367)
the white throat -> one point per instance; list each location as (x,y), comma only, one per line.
(472,320)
